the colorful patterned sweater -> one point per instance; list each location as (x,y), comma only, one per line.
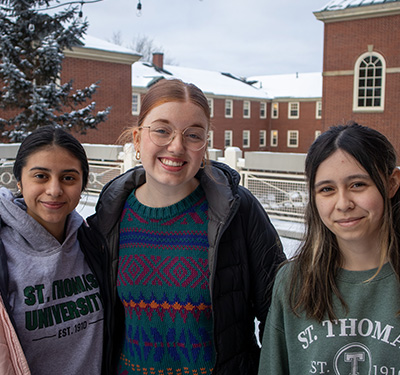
(163,283)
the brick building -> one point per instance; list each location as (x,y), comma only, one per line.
(361,70)
(111,66)
(296,106)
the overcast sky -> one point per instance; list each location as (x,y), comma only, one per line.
(242,37)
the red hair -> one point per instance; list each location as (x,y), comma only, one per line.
(172,90)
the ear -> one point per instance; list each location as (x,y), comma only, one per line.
(394,182)
(136,137)
(19,186)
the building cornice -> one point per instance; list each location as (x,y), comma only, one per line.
(102,55)
(288,99)
(335,73)
(355,13)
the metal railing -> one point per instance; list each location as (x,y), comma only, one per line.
(6,175)
(283,196)
(102,172)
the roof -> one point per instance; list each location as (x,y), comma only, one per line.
(345,4)
(96,49)
(296,85)
(99,44)
(210,82)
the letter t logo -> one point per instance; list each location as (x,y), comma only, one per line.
(354,358)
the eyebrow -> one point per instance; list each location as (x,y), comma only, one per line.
(72,170)
(169,123)
(160,120)
(348,178)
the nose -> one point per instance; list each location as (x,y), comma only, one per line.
(176,145)
(344,201)
(54,188)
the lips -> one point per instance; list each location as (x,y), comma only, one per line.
(349,221)
(53,205)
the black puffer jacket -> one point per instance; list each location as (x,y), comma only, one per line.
(244,253)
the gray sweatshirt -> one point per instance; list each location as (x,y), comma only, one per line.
(53,294)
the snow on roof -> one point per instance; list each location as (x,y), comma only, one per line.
(343,4)
(99,44)
(296,85)
(210,82)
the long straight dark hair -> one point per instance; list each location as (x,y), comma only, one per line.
(316,264)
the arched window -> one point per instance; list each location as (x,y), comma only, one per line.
(369,83)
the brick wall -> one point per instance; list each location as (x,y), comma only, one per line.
(306,125)
(114,91)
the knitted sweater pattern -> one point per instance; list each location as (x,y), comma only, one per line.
(163,283)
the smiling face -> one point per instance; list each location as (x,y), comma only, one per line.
(349,203)
(171,169)
(51,184)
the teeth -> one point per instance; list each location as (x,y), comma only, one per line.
(171,163)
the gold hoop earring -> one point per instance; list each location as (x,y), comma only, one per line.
(137,155)
(203,163)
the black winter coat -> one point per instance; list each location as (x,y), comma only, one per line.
(244,254)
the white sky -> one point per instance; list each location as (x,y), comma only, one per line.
(242,37)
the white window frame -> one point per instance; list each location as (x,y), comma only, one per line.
(293,107)
(228,136)
(368,86)
(246,138)
(317,133)
(318,110)
(210,139)
(262,138)
(246,109)
(228,108)
(275,110)
(137,96)
(293,135)
(211,105)
(274,138)
(263,110)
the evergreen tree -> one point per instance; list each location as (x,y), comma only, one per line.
(32,42)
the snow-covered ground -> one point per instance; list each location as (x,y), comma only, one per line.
(289,231)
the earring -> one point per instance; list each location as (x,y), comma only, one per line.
(137,155)
(203,163)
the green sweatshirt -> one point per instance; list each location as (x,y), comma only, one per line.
(364,341)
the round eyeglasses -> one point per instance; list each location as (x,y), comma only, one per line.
(194,137)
